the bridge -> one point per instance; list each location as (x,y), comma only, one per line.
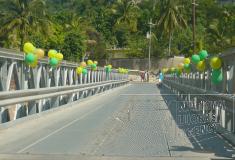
(52,113)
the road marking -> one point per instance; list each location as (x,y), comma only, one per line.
(58,130)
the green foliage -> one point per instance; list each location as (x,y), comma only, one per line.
(74,45)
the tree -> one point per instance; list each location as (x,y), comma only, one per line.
(74,45)
(21,18)
(171,18)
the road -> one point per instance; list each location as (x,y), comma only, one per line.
(130,122)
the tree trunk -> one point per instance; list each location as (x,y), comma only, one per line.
(22,36)
(169,47)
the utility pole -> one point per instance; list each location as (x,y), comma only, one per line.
(194,22)
(150,41)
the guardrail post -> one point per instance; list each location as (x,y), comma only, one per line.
(89,76)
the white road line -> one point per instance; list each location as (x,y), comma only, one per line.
(58,130)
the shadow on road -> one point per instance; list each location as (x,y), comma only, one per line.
(204,140)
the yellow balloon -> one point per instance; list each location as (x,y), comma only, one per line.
(83,64)
(52,53)
(215,63)
(110,66)
(39,53)
(59,56)
(79,70)
(29,47)
(89,62)
(187,61)
(95,62)
(201,66)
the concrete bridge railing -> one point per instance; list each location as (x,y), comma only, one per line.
(25,90)
(196,89)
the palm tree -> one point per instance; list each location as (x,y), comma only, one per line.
(171,18)
(128,13)
(22,18)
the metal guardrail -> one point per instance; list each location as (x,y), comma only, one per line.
(25,90)
(25,104)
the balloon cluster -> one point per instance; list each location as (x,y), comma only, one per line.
(123,70)
(108,68)
(32,54)
(82,68)
(200,61)
(54,57)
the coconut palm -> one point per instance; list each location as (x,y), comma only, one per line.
(171,18)
(22,18)
(128,13)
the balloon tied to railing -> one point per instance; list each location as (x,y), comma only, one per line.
(199,60)
(108,68)
(55,58)
(32,54)
(82,69)
(122,70)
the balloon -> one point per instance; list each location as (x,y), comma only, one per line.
(53,62)
(59,56)
(52,53)
(84,71)
(79,70)
(217,76)
(39,52)
(95,62)
(181,66)
(93,66)
(30,58)
(203,55)
(34,64)
(172,70)
(110,66)
(178,72)
(89,62)
(108,69)
(215,63)
(187,61)
(164,70)
(186,66)
(201,66)
(195,58)
(28,47)
(83,64)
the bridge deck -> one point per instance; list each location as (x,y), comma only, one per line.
(132,121)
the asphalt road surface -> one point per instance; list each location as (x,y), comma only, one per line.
(130,122)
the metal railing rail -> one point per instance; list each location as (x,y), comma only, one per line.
(42,95)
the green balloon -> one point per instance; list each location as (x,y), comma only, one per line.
(108,69)
(84,71)
(178,72)
(186,66)
(196,58)
(53,62)
(30,58)
(217,76)
(203,55)
(93,66)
